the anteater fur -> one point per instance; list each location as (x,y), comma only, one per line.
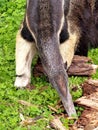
(56,29)
(84,14)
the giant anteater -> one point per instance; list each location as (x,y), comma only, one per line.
(56,29)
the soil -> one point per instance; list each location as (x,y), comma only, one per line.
(89,117)
(87,121)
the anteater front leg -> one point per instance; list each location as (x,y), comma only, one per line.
(25,51)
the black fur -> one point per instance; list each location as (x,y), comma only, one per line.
(26,34)
(83,47)
(85,15)
(64,34)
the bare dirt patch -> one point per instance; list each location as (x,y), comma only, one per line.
(89,100)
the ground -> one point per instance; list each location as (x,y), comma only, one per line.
(89,117)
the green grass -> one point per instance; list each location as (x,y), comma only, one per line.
(11,15)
